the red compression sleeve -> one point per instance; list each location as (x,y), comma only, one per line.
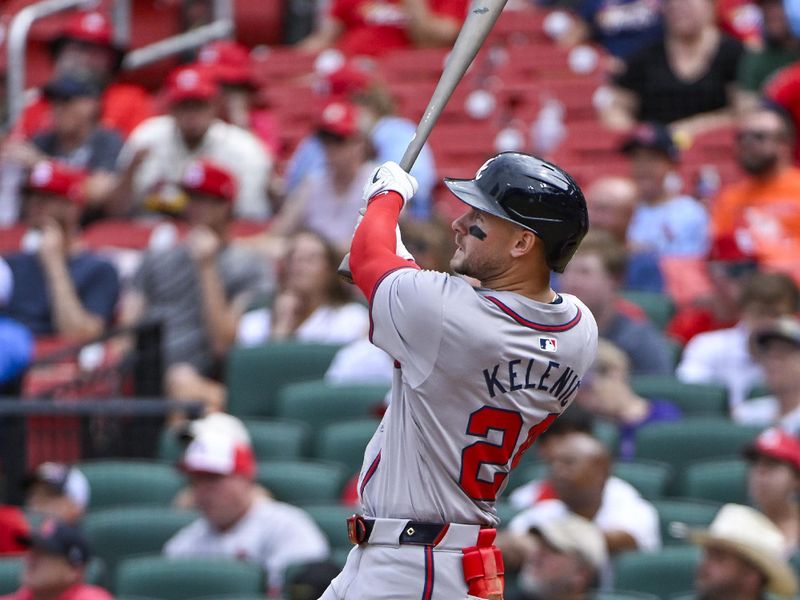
(372,253)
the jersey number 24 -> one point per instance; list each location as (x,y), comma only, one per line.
(509,423)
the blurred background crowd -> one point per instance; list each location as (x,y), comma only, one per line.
(187,387)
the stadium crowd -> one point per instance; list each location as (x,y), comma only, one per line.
(191,205)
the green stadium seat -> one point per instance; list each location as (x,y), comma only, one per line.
(505,511)
(525,473)
(116,483)
(716,480)
(650,478)
(345,442)
(120,533)
(332,520)
(319,403)
(303,482)
(188,578)
(255,375)
(608,433)
(668,571)
(658,307)
(692,439)
(273,439)
(676,515)
(694,399)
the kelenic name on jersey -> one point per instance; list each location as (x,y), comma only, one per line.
(531,374)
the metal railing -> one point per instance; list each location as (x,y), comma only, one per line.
(222,27)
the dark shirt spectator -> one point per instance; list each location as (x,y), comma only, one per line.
(623,27)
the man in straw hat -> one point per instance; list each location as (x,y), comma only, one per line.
(742,557)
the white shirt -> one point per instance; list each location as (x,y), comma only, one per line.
(621,509)
(765,412)
(232,147)
(271,534)
(722,357)
(326,325)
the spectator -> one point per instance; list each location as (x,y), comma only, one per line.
(623,27)
(85,49)
(684,80)
(565,562)
(608,394)
(157,152)
(363,27)
(723,356)
(776,348)
(13,526)
(773,482)
(312,305)
(16,342)
(611,201)
(75,138)
(235,519)
(232,68)
(666,222)
(594,275)
(200,288)
(60,289)
(579,473)
(55,564)
(328,200)
(780,49)
(57,490)
(727,268)
(742,557)
(388,133)
(783,88)
(763,211)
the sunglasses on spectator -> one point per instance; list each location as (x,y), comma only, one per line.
(756,135)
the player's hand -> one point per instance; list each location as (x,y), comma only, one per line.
(390,177)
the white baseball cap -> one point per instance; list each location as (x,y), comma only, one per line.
(573,534)
(64,479)
(222,423)
(6,282)
(219,453)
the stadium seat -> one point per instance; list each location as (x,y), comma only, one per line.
(130,483)
(187,578)
(256,375)
(676,515)
(668,571)
(303,482)
(272,439)
(345,442)
(716,480)
(694,399)
(319,403)
(608,433)
(622,595)
(332,520)
(120,533)
(691,439)
(659,307)
(650,478)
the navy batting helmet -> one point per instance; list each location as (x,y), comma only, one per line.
(534,194)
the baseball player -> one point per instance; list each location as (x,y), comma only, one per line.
(479,374)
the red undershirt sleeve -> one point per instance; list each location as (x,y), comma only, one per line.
(372,252)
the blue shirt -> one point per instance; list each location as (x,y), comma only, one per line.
(16,349)
(390,136)
(95,280)
(677,227)
(623,26)
(660,411)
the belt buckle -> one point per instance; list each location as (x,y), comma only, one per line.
(356,529)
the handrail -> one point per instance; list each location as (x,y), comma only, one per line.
(17,40)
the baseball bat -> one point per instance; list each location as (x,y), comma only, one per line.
(480,19)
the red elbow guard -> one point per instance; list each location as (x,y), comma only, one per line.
(483,567)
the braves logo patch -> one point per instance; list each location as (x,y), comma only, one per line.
(548,344)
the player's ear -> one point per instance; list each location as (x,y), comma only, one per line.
(524,243)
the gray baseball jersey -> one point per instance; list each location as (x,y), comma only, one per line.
(479,374)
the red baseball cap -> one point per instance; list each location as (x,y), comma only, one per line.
(52,177)
(194,82)
(339,118)
(346,80)
(229,62)
(218,453)
(206,177)
(92,27)
(776,444)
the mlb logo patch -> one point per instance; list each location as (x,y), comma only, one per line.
(548,344)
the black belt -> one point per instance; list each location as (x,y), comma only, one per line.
(414,532)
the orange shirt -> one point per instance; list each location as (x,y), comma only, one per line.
(762,216)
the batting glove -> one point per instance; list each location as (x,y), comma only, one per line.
(390,177)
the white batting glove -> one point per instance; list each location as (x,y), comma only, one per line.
(390,177)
